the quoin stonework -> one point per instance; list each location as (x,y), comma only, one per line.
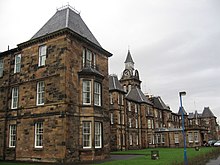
(58,102)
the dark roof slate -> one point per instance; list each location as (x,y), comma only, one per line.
(67,18)
(180,113)
(158,103)
(114,83)
(129,58)
(135,94)
(207,112)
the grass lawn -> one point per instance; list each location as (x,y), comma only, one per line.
(167,156)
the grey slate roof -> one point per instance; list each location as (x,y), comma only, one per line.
(135,94)
(129,58)
(114,83)
(207,112)
(180,113)
(67,18)
(191,116)
(158,103)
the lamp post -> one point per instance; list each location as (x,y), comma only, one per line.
(184,135)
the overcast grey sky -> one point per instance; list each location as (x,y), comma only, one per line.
(175,44)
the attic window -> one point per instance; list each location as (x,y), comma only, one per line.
(89,59)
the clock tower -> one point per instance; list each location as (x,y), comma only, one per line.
(130,76)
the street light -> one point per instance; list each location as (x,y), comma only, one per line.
(184,135)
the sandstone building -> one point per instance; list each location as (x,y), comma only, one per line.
(142,121)
(52,94)
(58,102)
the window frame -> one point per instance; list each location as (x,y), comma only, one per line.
(190,137)
(196,137)
(129,122)
(42,56)
(98,134)
(88,58)
(130,139)
(111,98)
(136,123)
(12,135)
(38,134)
(89,139)
(17,65)
(86,94)
(176,138)
(40,93)
(112,118)
(14,98)
(97,93)
(129,106)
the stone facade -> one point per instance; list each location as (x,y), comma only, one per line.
(54,131)
(153,124)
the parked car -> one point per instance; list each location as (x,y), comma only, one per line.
(217,144)
(211,142)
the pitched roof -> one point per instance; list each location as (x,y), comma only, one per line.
(135,94)
(180,113)
(129,58)
(158,103)
(114,83)
(67,18)
(207,112)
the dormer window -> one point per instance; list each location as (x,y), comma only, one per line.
(89,59)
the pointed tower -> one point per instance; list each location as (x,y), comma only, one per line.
(130,76)
(129,63)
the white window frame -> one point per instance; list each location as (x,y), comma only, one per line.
(86,92)
(87,135)
(98,135)
(135,108)
(14,97)
(40,92)
(196,137)
(190,137)
(119,118)
(162,138)
(176,138)
(111,98)
(129,122)
(38,140)
(122,118)
(130,139)
(97,94)
(1,67)
(136,123)
(42,55)
(112,118)
(129,106)
(125,88)
(137,140)
(17,66)
(149,123)
(12,136)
